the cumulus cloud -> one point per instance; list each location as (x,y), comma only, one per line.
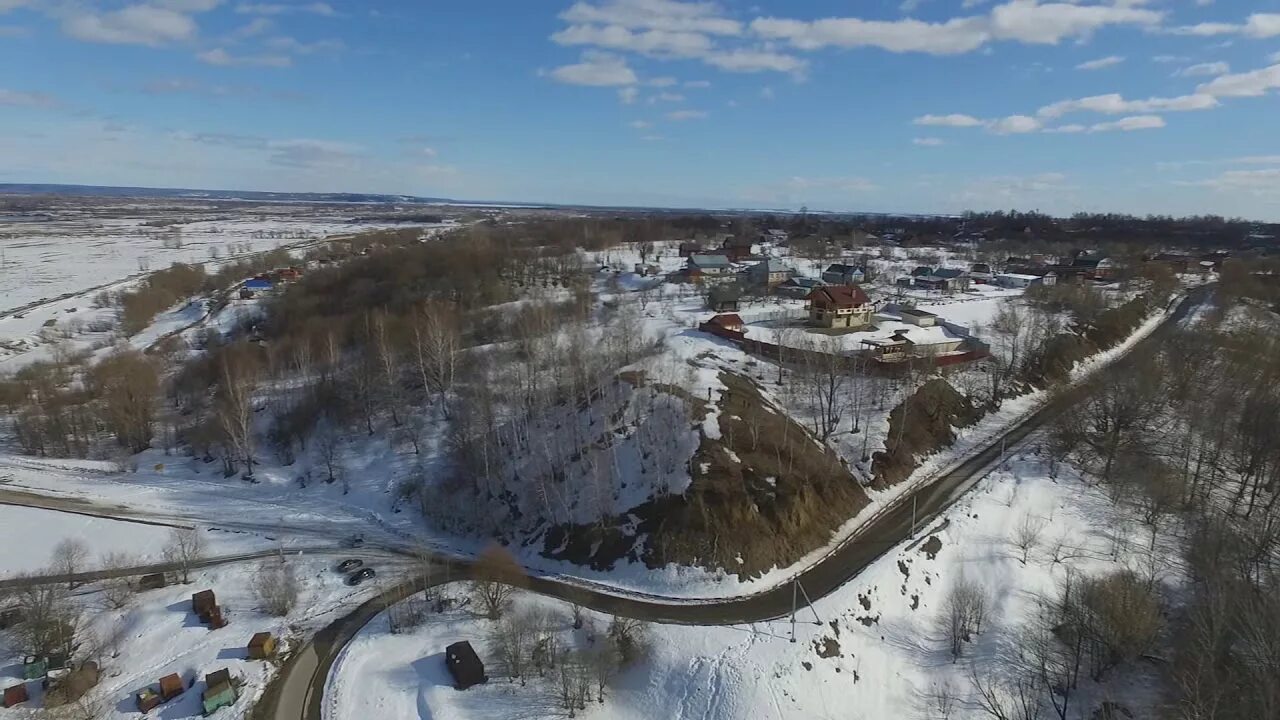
(749,61)
(927,141)
(1127,124)
(1257,25)
(1015,125)
(316,8)
(1100,63)
(598,69)
(220,56)
(682,115)
(1208,69)
(1248,84)
(1116,104)
(665,15)
(628,95)
(131,25)
(953,120)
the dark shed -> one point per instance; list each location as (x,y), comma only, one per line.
(203,602)
(171,687)
(154,581)
(464,665)
(15,695)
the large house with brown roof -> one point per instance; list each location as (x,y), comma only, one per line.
(839,306)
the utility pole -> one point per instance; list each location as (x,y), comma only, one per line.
(913,516)
(797,587)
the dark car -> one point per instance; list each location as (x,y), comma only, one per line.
(360,576)
(355,541)
(347,566)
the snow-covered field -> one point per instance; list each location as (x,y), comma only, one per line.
(32,533)
(873,649)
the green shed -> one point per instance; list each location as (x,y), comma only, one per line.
(219,696)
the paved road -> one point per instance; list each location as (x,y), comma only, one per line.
(297,693)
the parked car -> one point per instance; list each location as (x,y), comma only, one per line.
(356,541)
(361,575)
(347,566)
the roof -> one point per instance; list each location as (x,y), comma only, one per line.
(261,638)
(257,284)
(842,268)
(806,282)
(773,265)
(709,261)
(727,320)
(913,312)
(948,273)
(841,295)
(738,242)
(922,270)
(1018,276)
(462,652)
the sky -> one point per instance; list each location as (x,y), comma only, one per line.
(1138,106)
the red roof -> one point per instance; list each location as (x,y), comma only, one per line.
(841,296)
(727,320)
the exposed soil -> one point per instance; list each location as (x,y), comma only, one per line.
(924,423)
(764,494)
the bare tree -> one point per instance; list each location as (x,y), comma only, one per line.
(276,588)
(69,558)
(117,589)
(437,344)
(1027,533)
(964,611)
(233,404)
(1006,698)
(50,619)
(630,638)
(185,548)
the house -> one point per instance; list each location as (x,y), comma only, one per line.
(701,267)
(954,280)
(799,287)
(731,322)
(147,700)
(922,271)
(15,695)
(690,247)
(737,248)
(257,285)
(644,270)
(774,235)
(1017,280)
(724,298)
(219,692)
(769,273)
(910,343)
(262,646)
(895,348)
(839,306)
(464,665)
(1105,269)
(154,581)
(203,602)
(981,274)
(931,282)
(919,318)
(171,686)
(842,274)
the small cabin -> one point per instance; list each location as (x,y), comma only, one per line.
(147,700)
(15,695)
(732,322)
(464,665)
(919,318)
(262,646)
(203,602)
(171,686)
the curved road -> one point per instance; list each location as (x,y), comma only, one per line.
(297,693)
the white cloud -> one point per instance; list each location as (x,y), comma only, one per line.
(953,120)
(1016,190)
(316,8)
(1025,21)
(304,153)
(1208,69)
(1135,122)
(219,56)
(697,83)
(927,141)
(1169,58)
(640,124)
(1247,84)
(1259,183)
(682,115)
(661,82)
(1257,25)
(667,15)
(1100,63)
(292,45)
(660,43)
(628,95)
(253,28)
(597,69)
(666,97)
(130,25)
(1015,125)
(1116,104)
(17,98)
(748,61)
(766,93)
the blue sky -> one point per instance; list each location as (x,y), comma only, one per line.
(1164,106)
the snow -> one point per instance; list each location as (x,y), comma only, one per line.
(31,535)
(883,628)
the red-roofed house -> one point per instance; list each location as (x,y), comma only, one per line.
(839,306)
(730,321)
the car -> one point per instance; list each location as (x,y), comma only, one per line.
(347,566)
(360,576)
(356,541)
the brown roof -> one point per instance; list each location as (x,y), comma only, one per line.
(727,320)
(171,686)
(842,296)
(260,639)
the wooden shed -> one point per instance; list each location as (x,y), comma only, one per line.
(203,602)
(147,700)
(217,677)
(34,667)
(464,665)
(223,694)
(15,695)
(262,646)
(154,581)
(214,618)
(171,687)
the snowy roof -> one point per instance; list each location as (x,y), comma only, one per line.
(1019,276)
(773,265)
(706,261)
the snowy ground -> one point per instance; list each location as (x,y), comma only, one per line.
(32,534)
(877,652)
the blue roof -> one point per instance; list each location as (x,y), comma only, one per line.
(256,284)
